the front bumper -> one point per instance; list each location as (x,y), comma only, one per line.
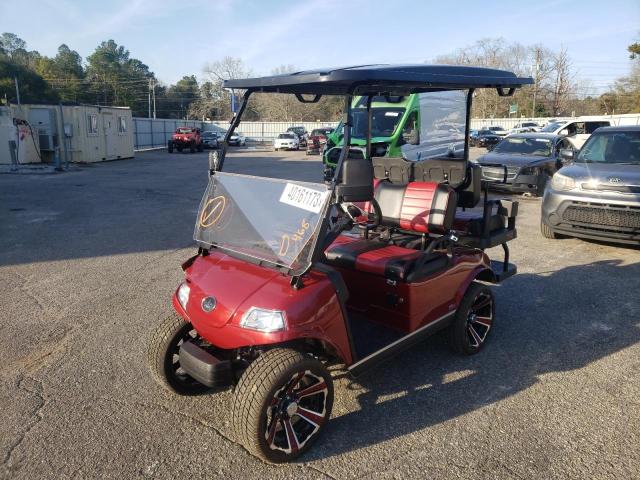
(204,367)
(604,217)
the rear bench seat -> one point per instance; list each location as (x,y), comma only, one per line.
(418,208)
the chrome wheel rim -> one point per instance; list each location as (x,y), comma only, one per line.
(297,412)
(480,319)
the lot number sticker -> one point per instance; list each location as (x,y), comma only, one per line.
(303,197)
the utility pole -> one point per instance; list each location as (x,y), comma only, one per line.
(149,115)
(535,86)
(154,98)
(15,79)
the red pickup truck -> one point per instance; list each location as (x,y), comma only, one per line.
(186,137)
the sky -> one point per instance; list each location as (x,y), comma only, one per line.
(176,38)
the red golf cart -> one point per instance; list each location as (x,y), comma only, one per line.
(293,276)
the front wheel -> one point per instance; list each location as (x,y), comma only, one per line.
(281,404)
(163,356)
(547,232)
(170,146)
(473,320)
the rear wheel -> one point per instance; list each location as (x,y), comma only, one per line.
(163,359)
(281,404)
(473,320)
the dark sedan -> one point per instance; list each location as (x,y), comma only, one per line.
(487,139)
(531,160)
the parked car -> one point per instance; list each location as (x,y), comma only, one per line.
(318,139)
(286,141)
(487,139)
(531,160)
(577,130)
(302,134)
(210,139)
(473,137)
(185,137)
(598,195)
(497,130)
(238,139)
(532,125)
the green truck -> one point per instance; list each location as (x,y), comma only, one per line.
(397,123)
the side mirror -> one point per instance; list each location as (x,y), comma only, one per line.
(564,132)
(412,137)
(567,155)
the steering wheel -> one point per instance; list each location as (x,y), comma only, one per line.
(363,219)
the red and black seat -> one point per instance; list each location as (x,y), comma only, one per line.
(414,210)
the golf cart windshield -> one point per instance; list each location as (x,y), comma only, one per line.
(269,220)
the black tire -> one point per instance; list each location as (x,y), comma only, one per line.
(473,320)
(267,410)
(200,148)
(192,147)
(180,148)
(547,232)
(170,146)
(162,352)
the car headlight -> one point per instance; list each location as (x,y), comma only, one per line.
(530,171)
(562,182)
(263,320)
(183,294)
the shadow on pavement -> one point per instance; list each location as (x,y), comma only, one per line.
(429,385)
(137,205)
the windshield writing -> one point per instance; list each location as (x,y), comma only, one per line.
(266,219)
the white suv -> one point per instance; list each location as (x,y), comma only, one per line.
(286,141)
(577,131)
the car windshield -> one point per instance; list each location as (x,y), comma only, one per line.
(269,220)
(286,135)
(611,147)
(496,129)
(320,132)
(552,127)
(539,147)
(209,134)
(384,121)
(185,130)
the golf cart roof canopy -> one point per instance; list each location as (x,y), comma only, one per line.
(386,79)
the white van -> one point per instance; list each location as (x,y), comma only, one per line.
(577,130)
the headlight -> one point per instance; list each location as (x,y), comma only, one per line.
(530,171)
(562,182)
(263,320)
(183,294)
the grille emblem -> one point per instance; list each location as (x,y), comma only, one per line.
(614,180)
(208,304)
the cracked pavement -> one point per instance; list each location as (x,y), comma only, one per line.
(90,258)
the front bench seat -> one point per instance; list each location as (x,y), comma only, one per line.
(389,261)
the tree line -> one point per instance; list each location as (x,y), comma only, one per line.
(112,76)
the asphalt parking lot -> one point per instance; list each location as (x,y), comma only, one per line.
(90,258)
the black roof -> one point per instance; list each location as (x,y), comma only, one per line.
(619,129)
(388,79)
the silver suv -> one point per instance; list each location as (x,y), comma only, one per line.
(598,195)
